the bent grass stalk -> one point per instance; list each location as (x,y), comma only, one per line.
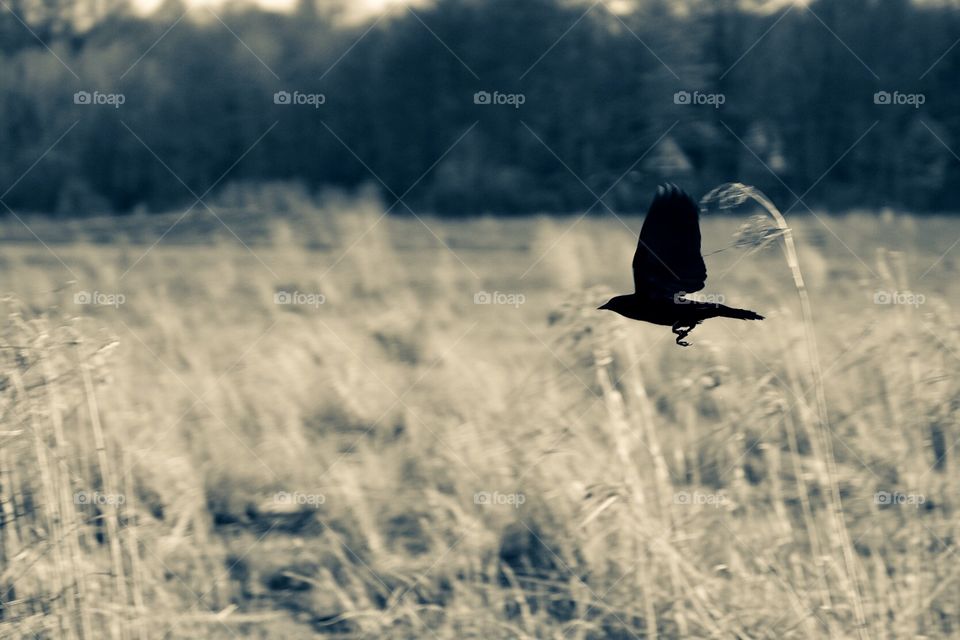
(731,195)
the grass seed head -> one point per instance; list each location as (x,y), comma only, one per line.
(756,233)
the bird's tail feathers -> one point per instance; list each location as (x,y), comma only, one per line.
(739,314)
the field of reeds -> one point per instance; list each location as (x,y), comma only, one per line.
(312,419)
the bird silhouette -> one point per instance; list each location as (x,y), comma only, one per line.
(668,265)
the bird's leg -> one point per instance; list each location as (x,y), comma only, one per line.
(678,328)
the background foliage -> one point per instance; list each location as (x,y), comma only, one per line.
(798,85)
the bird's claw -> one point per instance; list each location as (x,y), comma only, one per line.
(681,334)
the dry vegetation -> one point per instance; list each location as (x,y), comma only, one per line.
(664,491)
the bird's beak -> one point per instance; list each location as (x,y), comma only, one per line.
(603,306)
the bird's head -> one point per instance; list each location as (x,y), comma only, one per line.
(613,304)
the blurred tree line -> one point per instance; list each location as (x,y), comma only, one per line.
(600,115)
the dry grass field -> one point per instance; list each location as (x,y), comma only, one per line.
(318,430)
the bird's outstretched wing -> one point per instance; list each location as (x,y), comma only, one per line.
(668,259)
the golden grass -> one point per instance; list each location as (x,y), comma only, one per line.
(401,462)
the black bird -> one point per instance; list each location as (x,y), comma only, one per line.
(667,265)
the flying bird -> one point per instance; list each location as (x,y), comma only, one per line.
(668,265)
